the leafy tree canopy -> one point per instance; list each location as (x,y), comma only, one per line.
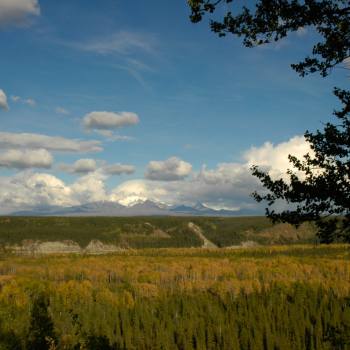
(272,20)
(318,188)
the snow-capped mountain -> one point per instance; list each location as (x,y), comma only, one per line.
(139,208)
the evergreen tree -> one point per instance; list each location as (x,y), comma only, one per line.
(41,329)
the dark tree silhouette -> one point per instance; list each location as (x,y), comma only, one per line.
(99,342)
(9,340)
(272,20)
(41,329)
(318,188)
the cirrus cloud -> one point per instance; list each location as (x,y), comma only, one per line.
(122,42)
(28,101)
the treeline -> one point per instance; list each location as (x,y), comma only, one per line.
(150,232)
(225,232)
(298,317)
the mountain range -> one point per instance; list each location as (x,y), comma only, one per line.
(142,208)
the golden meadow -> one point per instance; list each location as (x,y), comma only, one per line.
(282,297)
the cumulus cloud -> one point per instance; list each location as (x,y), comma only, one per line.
(171,169)
(22,159)
(17,12)
(26,190)
(3,101)
(133,191)
(81,166)
(51,143)
(119,169)
(109,120)
(275,157)
(228,185)
(89,188)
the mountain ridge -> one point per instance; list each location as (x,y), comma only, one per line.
(145,208)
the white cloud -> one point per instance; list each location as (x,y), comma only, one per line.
(119,169)
(22,159)
(81,166)
(275,157)
(122,42)
(3,100)
(15,98)
(52,143)
(134,190)
(89,188)
(17,12)
(28,101)
(171,169)
(61,110)
(228,185)
(85,166)
(109,120)
(27,189)
(111,136)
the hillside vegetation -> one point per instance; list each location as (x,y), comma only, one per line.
(151,232)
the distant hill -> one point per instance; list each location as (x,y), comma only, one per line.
(145,208)
(70,233)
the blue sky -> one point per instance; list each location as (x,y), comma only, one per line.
(205,107)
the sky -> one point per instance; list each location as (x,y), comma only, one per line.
(124,101)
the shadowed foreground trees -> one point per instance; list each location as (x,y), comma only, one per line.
(41,335)
(265,21)
(296,318)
